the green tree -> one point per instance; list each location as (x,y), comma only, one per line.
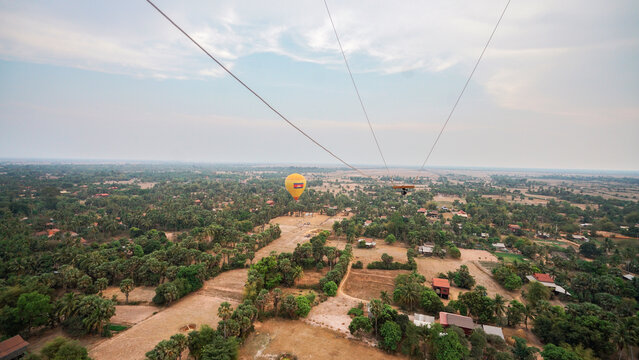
(224,312)
(303,306)
(330,288)
(478,342)
(101,284)
(62,348)
(390,239)
(515,313)
(536,293)
(391,334)
(554,352)
(95,312)
(446,347)
(33,309)
(126,286)
(454,252)
(360,324)
(523,351)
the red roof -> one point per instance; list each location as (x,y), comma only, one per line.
(421,210)
(15,345)
(514,226)
(270,202)
(441,283)
(543,277)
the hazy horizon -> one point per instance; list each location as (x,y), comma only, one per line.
(558,88)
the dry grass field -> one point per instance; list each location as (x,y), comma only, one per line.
(273,337)
(431,266)
(143,294)
(132,314)
(367,284)
(397,251)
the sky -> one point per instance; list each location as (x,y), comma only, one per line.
(558,86)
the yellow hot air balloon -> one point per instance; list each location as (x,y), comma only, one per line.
(295,184)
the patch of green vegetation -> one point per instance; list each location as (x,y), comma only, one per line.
(116,327)
(510,257)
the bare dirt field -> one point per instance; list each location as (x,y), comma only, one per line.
(431,266)
(294,230)
(132,314)
(397,251)
(273,338)
(198,308)
(448,199)
(311,277)
(143,294)
(367,284)
(517,199)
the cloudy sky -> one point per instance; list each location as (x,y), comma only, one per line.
(557,88)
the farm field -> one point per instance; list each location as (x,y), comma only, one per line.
(273,337)
(366,256)
(142,294)
(367,284)
(430,267)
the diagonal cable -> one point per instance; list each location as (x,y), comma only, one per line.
(258,96)
(370,126)
(465,86)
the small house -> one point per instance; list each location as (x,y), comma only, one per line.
(493,330)
(514,227)
(422,211)
(500,247)
(462,213)
(441,287)
(423,320)
(464,322)
(426,249)
(13,348)
(367,223)
(368,243)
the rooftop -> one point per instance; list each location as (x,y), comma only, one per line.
(441,283)
(543,277)
(463,322)
(12,346)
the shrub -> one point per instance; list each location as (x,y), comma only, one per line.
(311,297)
(360,323)
(303,306)
(330,288)
(357,265)
(391,335)
(355,312)
(454,252)
(390,239)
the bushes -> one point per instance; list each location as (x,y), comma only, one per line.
(61,348)
(303,306)
(388,264)
(339,270)
(330,288)
(462,277)
(360,324)
(507,277)
(357,265)
(391,335)
(355,312)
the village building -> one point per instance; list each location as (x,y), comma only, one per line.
(433,214)
(484,235)
(464,322)
(493,330)
(369,243)
(426,249)
(629,277)
(422,211)
(462,213)
(514,227)
(13,348)
(500,247)
(580,237)
(367,223)
(441,287)
(548,282)
(423,320)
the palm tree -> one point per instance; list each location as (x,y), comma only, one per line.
(376,308)
(385,297)
(180,343)
(126,286)
(500,306)
(529,313)
(224,312)
(409,294)
(277,295)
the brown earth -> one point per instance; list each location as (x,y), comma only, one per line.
(367,284)
(132,314)
(311,277)
(430,267)
(143,294)
(366,256)
(273,337)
